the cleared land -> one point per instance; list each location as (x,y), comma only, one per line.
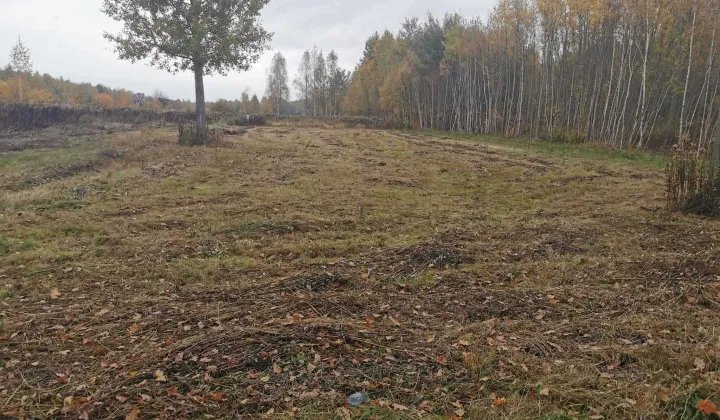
(296,266)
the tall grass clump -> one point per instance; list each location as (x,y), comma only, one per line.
(188,135)
(693,180)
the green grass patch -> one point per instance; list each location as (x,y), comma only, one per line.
(27,245)
(563,150)
(4,294)
(4,246)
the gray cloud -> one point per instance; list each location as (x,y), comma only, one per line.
(66,39)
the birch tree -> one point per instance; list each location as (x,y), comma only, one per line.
(277,83)
(20,62)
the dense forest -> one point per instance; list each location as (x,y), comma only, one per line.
(623,72)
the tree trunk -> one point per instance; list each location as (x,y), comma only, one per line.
(715,157)
(200,116)
(687,77)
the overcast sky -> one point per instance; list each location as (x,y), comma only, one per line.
(66,39)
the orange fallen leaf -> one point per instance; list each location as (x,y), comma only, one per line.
(442,359)
(297,317)
(277,369)
(497,402)
(217,396)
(369,321)
(133,329)
(173,392)
(707,407)
(134,414)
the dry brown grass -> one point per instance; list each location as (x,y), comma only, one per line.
(301,265)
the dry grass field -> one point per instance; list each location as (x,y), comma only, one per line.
(447,277)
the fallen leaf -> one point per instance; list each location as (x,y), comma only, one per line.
(707,407)
(464,343)
(134,414)
(160,376)
(343,413)
(425,405)
(102,312)
(699,364)
(545,392)
(179,357)
(399,407)
(55,293)
(369,321)
(497,402)
(297,317)
(121,398)
(217,396)
(310,368)
(442,359)
(459,412)
(173,392)
(133,329)
(309,395)
(277,369)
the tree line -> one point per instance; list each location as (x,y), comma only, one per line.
(320,81)
(622,72)
(19,83)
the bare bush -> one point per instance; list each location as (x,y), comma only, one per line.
(693,182)
(189,135)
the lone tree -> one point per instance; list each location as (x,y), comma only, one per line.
(205,36)
(277,82)
(20,62)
